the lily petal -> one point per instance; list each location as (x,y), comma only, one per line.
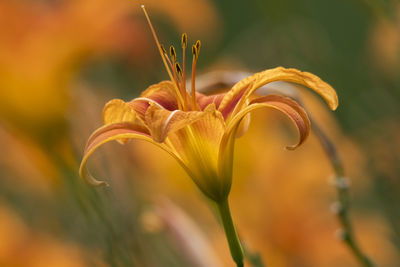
(116,111)
(249,85)
(198,146)
(162,122)
(110,132)
(161,94)
(284,104)
(204,100)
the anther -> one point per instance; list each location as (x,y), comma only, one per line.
(178,69)
(172,53)
(195,52)
(198,44)
(184,40)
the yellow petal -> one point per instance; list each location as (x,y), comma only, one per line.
(198,146)
(243,125)
(116,111)
(249,85)
(162,122)
(107,133)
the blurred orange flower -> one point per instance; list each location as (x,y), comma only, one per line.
(44,44)
(23,246)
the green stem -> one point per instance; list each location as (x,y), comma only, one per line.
(230,232)
(343,196)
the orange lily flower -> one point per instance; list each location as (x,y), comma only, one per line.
(199,131)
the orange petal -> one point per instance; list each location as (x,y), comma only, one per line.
(247,86)
(110,132)
(204,100)
(243,126)
(161,94)
(162,122)
(284,104)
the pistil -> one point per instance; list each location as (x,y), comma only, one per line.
(164,58)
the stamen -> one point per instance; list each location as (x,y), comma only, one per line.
(198,44)
(184,40)
(163,50)
(184,45)
(175,77)
(195,52)
(163,53)
(178,69)
(172,53)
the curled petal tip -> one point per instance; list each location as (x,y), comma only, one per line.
(334,106)
(94,182)
(88,178)
(102,184)
(291,148)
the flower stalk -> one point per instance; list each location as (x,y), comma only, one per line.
(342,187)
(231,235)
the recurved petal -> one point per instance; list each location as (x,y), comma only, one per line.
(284,104)
(162,122)
(107,133)
(110,132)
(247,86)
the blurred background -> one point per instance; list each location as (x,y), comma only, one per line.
(61,60)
